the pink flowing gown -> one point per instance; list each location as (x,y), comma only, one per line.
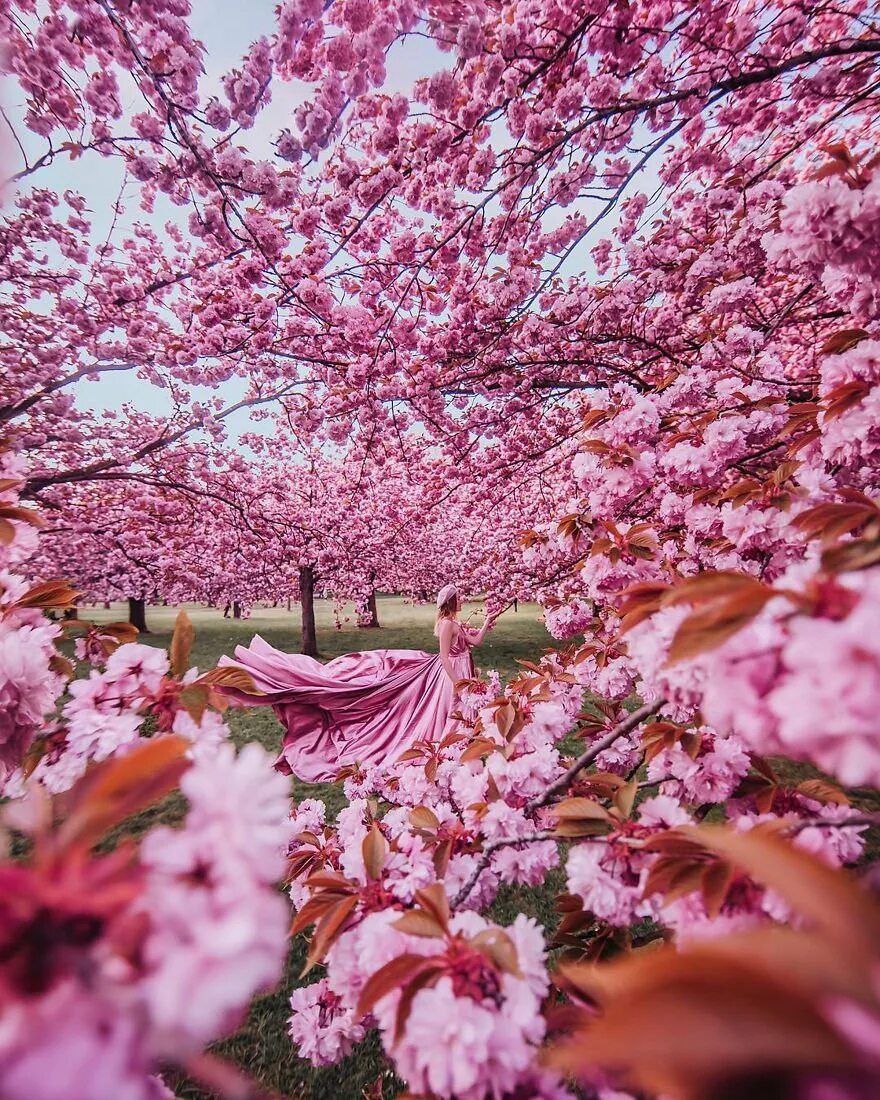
(364,708)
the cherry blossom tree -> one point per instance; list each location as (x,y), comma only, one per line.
(613,268)
(362,249)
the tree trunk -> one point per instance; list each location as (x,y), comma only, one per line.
(307,600)
(516,605)
(236,610)
(371,619)
(422,596)
(137,614)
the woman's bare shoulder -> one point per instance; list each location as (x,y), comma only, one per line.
(445,626)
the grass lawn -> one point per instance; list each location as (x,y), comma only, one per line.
(261,1046)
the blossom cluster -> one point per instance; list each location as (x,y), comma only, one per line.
(398,895)
(117,964)
(683,431)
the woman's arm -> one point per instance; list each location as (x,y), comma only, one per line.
(445,633)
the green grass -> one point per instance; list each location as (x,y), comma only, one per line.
(261,1046)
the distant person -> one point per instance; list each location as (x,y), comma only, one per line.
(362,707)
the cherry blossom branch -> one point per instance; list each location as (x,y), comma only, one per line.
(620,730)
(585,759)
(10,412)
(98,469)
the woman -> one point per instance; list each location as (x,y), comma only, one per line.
(363,708)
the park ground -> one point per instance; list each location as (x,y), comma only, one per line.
(261,1046)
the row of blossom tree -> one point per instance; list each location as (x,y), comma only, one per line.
(471,268)
(269,531)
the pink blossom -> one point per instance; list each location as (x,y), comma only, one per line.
(28,687)
(466,1045)
(136,669)
(320,1028)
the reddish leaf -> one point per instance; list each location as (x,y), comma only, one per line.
(574,829)
(844,340)
(711,586)
(423,818)
(419,923)
(579,809)
(715,884)
(829,899)
(626,796)
(851,556)
(759,787)
(330,880)
(442,855)
(479,748)
(62,666)
(638,602)
(122,632)
(327,929)
(374,847)
(53,595)
(194,698)
(234,678)
(425,977)
(410,754)
(391,976)
(683,1024)
(434,901)
(711,626)
(117,788)
(13,512)
(843,398)
(504,717)
(823,791)
(181,644)
(830,521)
(499,948)
(315,908)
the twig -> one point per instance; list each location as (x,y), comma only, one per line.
(626,726)
(857,821)
(493,846)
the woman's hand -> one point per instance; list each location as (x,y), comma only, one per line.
(488,623)
(493,616)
